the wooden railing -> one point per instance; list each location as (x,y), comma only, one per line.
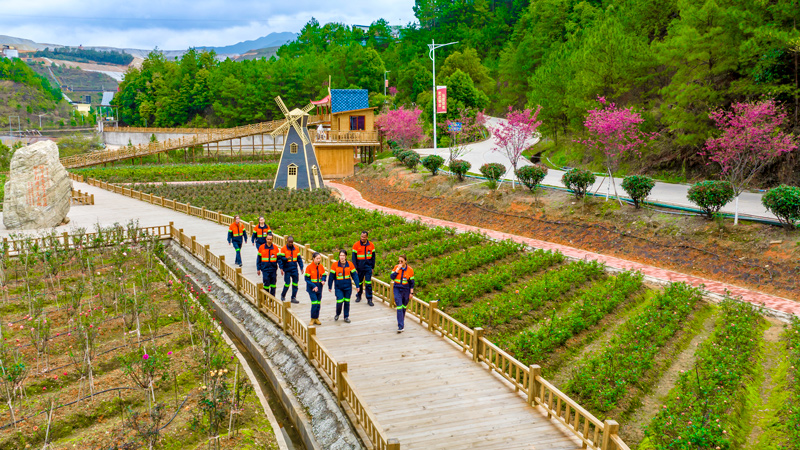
(204,136)
(345,137)
(81,198)
(593,433)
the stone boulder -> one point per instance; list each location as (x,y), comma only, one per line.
(38,191)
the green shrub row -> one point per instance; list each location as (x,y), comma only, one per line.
(180,172)
(530,295)
(700,410)
(462,262)
(429,249)
(604,379)
(533,344)
(497,279)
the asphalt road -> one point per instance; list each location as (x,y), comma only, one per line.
(483,152)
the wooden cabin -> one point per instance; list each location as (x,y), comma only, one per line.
(346,129)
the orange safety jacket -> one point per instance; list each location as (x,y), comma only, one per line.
(237,232)
(363,255)
(342,275)
(260,232)
(267,258)
(403,278)
(289,259)
(315,276)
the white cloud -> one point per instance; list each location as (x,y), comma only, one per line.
(174,25)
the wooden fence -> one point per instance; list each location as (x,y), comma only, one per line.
(593,433)
(81,198)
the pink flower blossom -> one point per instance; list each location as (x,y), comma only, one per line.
(145,356)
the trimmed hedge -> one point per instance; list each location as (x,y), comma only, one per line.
(531,176)
(784,202)
(433,163)
(578,181)
(460,168)
(638,188)
(711,196)
(493,172)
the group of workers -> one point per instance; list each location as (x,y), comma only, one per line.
(343,274)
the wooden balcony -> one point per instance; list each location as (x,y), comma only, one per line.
(361,138)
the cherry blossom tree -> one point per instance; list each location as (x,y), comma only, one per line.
(614,131)
(751,138)
(402,126)
(515,134)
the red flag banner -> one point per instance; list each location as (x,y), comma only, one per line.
(441,99)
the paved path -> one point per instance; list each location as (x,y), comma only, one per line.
(482,152)
(422,389)
(781,305)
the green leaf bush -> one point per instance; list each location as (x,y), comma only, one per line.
(460,168)
(531,176)
(579,181)
(411,159)
(638,188)
(784,202)
(711,196)
(403,154)
(433,163)
(493,172)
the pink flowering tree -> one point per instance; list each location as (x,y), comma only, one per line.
(614,131)
(516,134)
(402,126)
(751,138)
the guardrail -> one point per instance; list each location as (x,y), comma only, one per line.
(81,198)
(593,433)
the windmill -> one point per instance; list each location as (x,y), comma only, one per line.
(291,119)
(298,168)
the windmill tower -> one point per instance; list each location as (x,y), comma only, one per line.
(298,167)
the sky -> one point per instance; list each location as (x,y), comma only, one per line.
(179,24)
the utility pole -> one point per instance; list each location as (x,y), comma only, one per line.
(384,81)
(432,55)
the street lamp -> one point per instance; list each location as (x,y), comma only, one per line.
(384,81)
(40,119)
(432,55)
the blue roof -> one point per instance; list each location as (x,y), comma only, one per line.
(348,99)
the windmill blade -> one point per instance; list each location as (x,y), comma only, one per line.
(299,130)
(308,107)
(283,107)
(281,129)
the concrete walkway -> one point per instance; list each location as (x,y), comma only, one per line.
(482,152)
(779,305)
(422,389)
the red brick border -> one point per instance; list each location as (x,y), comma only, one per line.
(778,304)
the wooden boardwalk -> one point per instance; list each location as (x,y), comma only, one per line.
(421,388)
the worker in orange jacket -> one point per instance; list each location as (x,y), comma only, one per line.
(315,281)
(267,262)
(364,260)
(237,233)
(289,260)
(403,277)
(342,271)
(260,232)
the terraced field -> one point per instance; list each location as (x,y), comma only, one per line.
(676,371)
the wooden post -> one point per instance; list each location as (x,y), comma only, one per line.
(92,199)
(259,295)
(610,428)
(207,258)
(533,385)
(392,444)
(66,239)
(194,243)
(340,369)
(204,212)
(434,305)
(5,247)
(221,262)
(171,228)
(238,280)
(287,305)
(477,345)
(312,342)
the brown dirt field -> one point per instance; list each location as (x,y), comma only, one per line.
(746,255)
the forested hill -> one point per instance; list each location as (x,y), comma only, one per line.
(673,59)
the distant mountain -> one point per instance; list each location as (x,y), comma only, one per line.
(26,45)
(270,40)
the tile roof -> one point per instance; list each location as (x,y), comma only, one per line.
(348,99)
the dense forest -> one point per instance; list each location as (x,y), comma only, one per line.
(675,60)
(85,55)
(17,71)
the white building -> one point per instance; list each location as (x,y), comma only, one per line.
(10,52)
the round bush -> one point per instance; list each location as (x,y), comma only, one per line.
(411,159)
(711,196)
(578,181)
(401,156)
(784,202)
(531,176)
(460,168)
(433,163)
(493,172)
(396,151)
(638,188)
